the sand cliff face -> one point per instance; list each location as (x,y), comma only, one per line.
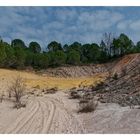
(127,63)
(75,71)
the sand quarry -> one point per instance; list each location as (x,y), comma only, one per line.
(56,113)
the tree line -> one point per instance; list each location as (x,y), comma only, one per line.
(18,55)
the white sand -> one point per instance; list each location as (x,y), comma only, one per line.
(55,113)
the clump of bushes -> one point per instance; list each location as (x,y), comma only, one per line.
(86,106)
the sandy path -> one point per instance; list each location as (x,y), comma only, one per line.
(48,121)
(44,115)
(67,121)
(24,118)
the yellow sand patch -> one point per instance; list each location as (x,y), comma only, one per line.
(33,80)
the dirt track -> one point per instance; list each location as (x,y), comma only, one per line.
(44,115)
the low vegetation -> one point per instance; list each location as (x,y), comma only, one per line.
(86,105)
(87,102)
(17,90)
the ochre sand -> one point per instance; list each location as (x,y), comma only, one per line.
(33,80)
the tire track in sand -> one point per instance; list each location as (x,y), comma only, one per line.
(74,123)
(23,119)
(47,111)
(40,116)
(9,128)
(48,121)
(30,121)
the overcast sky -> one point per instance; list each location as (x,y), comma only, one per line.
(68,24)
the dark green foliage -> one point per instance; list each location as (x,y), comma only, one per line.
(34,47)
(29,58)
(75,46)
(123,45)
(18,43)
(40,61)
(91,52)
(116,47)
(103,57)
(17,55)
(10,56)
(56,58)
(2,54)
(73,57)
(137,47)
(54,46)
(20,57)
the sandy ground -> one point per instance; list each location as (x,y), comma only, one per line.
(47,114)
(55,113)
